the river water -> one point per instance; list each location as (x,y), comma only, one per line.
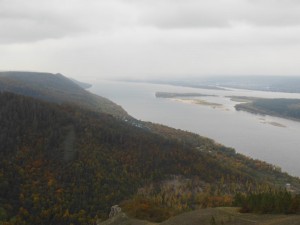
(271,139)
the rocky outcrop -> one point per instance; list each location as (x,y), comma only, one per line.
(115,210)
(116,217)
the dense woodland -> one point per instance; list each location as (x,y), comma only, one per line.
(286,108)
(270,201)
(61,164)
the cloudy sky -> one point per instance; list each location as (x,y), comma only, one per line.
(151,38)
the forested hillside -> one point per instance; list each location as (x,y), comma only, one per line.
(62,164)
(56,88)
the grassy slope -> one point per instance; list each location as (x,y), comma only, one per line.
(226,216)
(229,216)
(56,88)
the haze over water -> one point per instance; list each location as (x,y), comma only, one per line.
(253,135)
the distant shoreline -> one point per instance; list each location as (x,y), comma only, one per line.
(175,95)
(282,84)
(283,108)
(188,98)
(198,102)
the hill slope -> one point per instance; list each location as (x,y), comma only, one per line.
(230,216)
(56,88)
(220,216)
(62,164)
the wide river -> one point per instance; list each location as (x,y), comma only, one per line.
(267,138)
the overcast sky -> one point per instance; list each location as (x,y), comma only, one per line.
(151,38)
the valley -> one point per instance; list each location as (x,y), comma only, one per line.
(67,162)
(130,112)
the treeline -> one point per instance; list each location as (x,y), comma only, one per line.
(270,202)
(286,108)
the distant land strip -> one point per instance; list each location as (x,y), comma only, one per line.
(176,95)
(280,107)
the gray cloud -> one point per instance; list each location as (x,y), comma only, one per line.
(35,20)
(134,37)
(27,21)
(30,30)
(220,13)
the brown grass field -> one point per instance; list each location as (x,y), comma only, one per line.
(221,216)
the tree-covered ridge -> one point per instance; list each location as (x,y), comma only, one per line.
(56,88)
(61,164)
(286,108)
